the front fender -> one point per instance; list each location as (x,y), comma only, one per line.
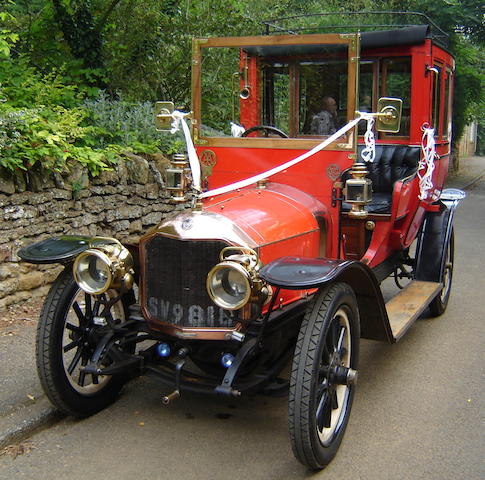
(63,249)
(301,273)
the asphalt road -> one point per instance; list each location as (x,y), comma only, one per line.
(418,412)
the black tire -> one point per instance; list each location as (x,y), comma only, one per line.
(438,305)
(66,338)
(326,353)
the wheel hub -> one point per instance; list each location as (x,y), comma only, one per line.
(338,374)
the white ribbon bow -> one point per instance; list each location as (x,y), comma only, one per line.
(179,118)
(426,163)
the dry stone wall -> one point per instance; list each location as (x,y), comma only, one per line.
(122,203)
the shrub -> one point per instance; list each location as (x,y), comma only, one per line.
(48,136)
(129,125)
(23,87)
(44,122)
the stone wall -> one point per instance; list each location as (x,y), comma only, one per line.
(122,203)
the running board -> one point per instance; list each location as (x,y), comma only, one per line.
(407,305)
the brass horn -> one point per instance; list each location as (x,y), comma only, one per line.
(245,92)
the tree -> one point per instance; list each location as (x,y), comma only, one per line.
(82,30)
(463,20)
(142,49)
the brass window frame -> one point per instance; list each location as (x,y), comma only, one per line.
(352,41)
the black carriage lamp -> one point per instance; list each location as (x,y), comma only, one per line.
(358,190)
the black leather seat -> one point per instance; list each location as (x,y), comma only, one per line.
(391,163)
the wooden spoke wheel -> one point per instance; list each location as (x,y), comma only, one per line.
(323,375)
(67,337)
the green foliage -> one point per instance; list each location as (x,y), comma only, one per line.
(7,37)
(24,87)
(41,123)
(148,53)
(77,22)
(120,122)
(48,137)
(469,98)
(56,54)
(128,125)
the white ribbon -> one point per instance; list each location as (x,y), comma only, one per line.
(426,162)
(369,151)
(284,166)
(237,130)
(179,118)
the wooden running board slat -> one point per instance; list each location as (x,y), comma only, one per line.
(406,306)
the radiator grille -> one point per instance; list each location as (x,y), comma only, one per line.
(174,282)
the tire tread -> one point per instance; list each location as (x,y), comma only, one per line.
(302,374)
(52,375)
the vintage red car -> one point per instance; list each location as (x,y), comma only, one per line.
(300,210)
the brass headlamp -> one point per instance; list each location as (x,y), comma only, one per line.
(234,282)
(104,267)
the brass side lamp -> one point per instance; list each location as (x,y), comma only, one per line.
(358,191)
(178,174)
(177,177)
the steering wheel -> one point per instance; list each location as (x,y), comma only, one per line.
(267,129)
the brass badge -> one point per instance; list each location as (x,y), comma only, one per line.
(333,171)
(207,162)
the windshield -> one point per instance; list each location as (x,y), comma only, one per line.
(304,91)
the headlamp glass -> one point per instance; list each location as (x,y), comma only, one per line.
(229,286)
(92,271)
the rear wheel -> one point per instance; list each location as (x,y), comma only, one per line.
(323,375)
(67,337)
(440,302)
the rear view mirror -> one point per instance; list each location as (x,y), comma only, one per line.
(389,112)
(163,116)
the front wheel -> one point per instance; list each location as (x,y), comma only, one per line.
(67,337)
(323,375)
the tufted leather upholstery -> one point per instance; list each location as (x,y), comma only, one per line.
(391,163)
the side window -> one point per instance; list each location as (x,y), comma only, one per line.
(447,112)
(436,99)
(395,81)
